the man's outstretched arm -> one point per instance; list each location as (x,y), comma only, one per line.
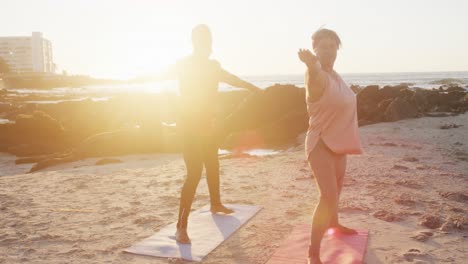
(235,81)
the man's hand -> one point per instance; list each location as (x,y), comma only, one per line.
(307,57)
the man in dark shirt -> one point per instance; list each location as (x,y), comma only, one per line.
(198,77)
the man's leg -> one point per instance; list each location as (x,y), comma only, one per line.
(194,165)
(212,176)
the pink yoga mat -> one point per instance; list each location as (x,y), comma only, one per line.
(335,248)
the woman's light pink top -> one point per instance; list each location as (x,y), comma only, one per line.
(334,119)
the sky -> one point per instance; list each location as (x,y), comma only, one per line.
(128,38)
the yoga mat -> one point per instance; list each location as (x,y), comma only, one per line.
(206,231)
(335,248)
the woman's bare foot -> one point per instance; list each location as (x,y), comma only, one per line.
(221,209)
(314,260)
(182,237)
(314,257)
(344,230)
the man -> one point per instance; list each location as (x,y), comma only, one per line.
(198,78)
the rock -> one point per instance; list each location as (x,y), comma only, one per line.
(449,126)
(455,89)
(107,161)
(356,88)
(447,81)
(430,221)
(400,108)
(367,102)
(276,116)
(285,129)
(391,92)
(420,98)
(5,107)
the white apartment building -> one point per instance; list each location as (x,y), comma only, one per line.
(26,54)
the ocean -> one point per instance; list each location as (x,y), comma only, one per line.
(426,80)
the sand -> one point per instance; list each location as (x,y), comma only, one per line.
(84,213)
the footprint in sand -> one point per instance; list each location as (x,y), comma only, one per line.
(422,236)
(387,216)
(410,159)
(409,184)
(405,200)
(399,167)
(430,221)
(416,254)
(353,209)
(247,187)
(292,213)
(453,224)
(142,221)
(304,177)
(455,196)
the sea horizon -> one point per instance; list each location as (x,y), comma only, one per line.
(425,80)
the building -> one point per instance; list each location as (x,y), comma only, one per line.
(27,54)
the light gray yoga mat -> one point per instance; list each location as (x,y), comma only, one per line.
(206,231)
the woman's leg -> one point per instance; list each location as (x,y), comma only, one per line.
(340,166)
(321,160)
(340,169)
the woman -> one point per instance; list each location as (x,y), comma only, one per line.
(332,134)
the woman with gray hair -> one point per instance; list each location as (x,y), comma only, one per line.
(332,133)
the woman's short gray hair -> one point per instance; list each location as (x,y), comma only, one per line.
(325,33)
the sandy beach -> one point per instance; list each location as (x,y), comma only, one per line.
(411,177)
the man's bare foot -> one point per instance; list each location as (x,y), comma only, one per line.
(221,209)
(182,237)
(344,230)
